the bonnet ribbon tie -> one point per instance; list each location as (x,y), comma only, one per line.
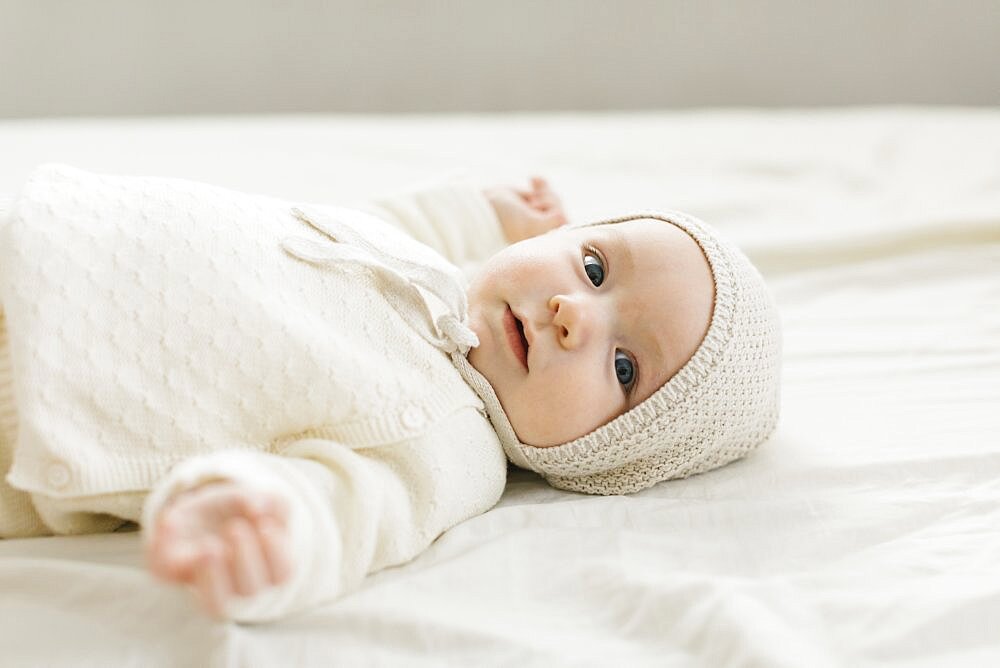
(347,246)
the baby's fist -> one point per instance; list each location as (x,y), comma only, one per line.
(526,213)
(223,540)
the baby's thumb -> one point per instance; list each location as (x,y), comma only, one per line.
(539,183)
(171,558)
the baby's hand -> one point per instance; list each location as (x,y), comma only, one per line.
(526,213)
(223,540)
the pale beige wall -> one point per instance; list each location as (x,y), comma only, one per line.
(87,57)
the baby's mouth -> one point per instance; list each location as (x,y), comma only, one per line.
(524,339)
(515,337)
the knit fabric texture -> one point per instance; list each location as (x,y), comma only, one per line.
(150,320)
(718,407)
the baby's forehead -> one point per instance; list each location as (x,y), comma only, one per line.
(628,225)
(638,232)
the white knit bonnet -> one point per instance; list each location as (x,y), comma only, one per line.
(720,405)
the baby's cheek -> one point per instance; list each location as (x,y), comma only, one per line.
(561,416)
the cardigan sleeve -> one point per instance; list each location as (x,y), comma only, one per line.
(351,511)
(453,217)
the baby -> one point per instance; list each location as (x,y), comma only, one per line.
(288,397)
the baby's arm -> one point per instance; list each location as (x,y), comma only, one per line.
(318,518)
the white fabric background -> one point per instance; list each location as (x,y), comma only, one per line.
(865,532)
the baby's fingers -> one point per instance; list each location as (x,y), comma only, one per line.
(256,506)
(248,570)
(170,557)
(274,541)
(212,584)
(543,194)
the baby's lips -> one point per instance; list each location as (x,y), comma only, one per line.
(526,327)
(529,333)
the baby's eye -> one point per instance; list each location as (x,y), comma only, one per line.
(594,267)
(624,369)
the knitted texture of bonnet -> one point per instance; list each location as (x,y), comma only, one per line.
(718,407)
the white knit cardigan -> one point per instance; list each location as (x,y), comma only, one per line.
(159,333)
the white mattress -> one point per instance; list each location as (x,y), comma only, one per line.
(865,532)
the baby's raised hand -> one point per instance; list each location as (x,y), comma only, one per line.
(526,213)
(223,540)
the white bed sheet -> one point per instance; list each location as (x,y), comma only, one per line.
(865,532)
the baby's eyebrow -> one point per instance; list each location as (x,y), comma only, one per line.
(619,240)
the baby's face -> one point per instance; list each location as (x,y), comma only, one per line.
(579,325)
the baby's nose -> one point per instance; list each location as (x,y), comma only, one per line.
(571,320)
